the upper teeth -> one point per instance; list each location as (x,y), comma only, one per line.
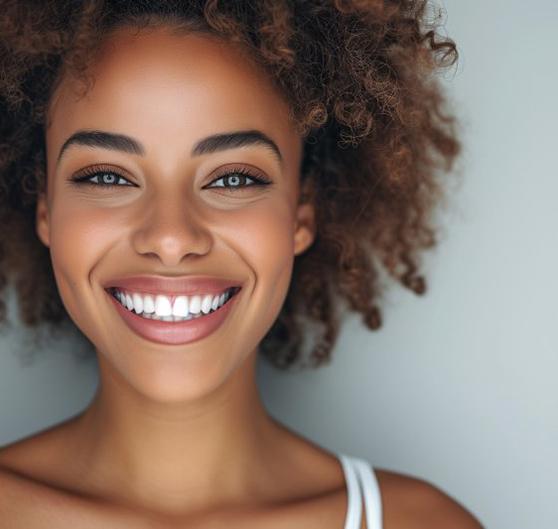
(161,305)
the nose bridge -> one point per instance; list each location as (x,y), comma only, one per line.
(171,227)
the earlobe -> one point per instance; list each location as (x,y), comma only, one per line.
(305,232)
(42,220)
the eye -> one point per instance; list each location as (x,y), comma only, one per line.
(235,180)
(104,178)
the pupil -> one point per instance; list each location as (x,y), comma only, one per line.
(235,180)
(109,178)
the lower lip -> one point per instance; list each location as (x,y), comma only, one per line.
(175,333)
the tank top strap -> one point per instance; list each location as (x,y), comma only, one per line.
(371,492)
(354,506)
(359,475)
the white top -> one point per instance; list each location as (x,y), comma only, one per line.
(360,477)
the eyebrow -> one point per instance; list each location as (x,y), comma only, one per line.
(210,144)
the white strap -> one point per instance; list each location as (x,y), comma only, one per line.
(354,506)
(371,492)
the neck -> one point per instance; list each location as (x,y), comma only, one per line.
(180,456)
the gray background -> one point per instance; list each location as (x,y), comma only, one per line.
(458,387)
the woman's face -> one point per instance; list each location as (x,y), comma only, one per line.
(169,212)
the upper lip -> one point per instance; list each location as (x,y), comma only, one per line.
(173,286)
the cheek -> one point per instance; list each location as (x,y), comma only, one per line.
(79,237)
(265,240)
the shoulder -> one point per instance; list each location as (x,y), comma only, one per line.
(32,493)
(19,493)
(27,471)
(15,483)
(40,453)
(414,503)
(24,455)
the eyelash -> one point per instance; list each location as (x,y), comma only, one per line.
(90,172)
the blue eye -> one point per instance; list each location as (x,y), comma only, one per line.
(105,179)
(235,179)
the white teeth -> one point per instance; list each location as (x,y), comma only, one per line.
(138,303)
(195,304)
(215,302)
(180,307)
(162,306)
(206,303)
(129,302)
(159,306)
(148,304)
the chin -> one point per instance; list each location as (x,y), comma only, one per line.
(165,381)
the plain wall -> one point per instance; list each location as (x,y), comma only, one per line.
(459,386)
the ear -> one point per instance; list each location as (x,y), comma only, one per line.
(42,220)
(305,229)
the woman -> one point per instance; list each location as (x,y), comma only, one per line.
(186,181)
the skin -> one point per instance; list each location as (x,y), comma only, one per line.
(178,435)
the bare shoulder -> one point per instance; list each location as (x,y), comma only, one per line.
(28,493)
(19,493)
(413,503)
(30,496)
(40,452)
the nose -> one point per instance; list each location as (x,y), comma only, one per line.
(170,229)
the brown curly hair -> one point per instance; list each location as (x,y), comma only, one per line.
(360,79)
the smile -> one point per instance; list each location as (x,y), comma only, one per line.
(172,308)
(173,320)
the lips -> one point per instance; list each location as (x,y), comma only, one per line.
(176,332)
(173,286)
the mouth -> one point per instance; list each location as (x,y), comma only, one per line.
(175,308)
(173,320)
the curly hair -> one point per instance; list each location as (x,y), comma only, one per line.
(360,79)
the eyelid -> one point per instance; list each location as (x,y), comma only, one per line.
(245,170)
(93,170)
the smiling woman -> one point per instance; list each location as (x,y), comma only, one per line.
(187,183)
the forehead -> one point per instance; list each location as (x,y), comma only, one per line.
(154,82)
